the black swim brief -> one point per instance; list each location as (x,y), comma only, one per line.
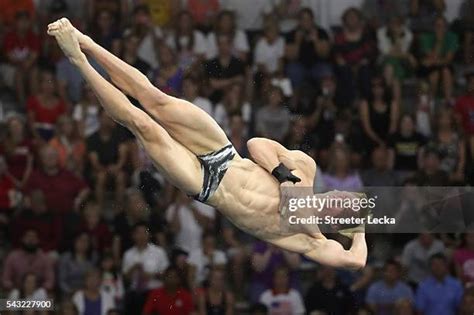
(214,165)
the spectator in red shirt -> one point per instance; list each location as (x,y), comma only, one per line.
(203,12)
(18,150)
(93,225)
(22,47)
(8,198)
(10,9)
(63,190)
(464,109)
(40,218)
(29,258)
(171,299)
(45,107)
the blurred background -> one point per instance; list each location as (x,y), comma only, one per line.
(380,93)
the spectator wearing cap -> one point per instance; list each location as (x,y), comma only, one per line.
(75,263)
(416,254)
(280,298)
(438,48)
(22,48)
(439,293)
(206,258)
(91,300)
(28,258)
(63,190)
(383,295)
(142,265)
(171,299)
(39,217)
(17,149)
(308,50)
(226,25)
(224,70)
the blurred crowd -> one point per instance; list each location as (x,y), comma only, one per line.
(382,95)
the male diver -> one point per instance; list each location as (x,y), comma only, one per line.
(190,149)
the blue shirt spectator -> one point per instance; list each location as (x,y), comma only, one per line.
(439,293)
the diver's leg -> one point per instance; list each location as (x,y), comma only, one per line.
(176,163)
(185,122)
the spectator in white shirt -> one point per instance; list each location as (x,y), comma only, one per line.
(416,256)
(280,299)
(29,290)
(270,49)
(191,94)
(226,26)
(202,260)
(188,219)
(189,43)
(233,103)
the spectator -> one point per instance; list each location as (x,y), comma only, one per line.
(92,224)
(107,157)
(12,9)
(464,109)
(450,146)
(171,299)
(63,190)
(69,146)
(91,300)
(233,103)
(224,70)
(354,50)
(394,43)
(67,308)
(265,260)
(169,76)
(328,295)
(22,48)
(69,81)
(179,259)
(112,281)
(423,14)
(249,15)
(142,265)
(148,34)
(238,134)
(206,258)
(131,44)
(424,110)
(308,50)
(380,14)
(40,218)
(189,43)
(74,264)
(104,31)
(438,48)
(467,306)
(416,255)
(281,299)
(273,119)
(270,50)
(188,220)
(430,172)
(463,259)
(297,137)
(384,295)
(439,293)
(86,113)
(204,13)
(215,298)
(8,194)
(225,26)
(29,289)
(379,114)
(45,107)
(17,149)
(339,174)
(163,12)
(191,93)
(29,258)
(405,147)
(380,173)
